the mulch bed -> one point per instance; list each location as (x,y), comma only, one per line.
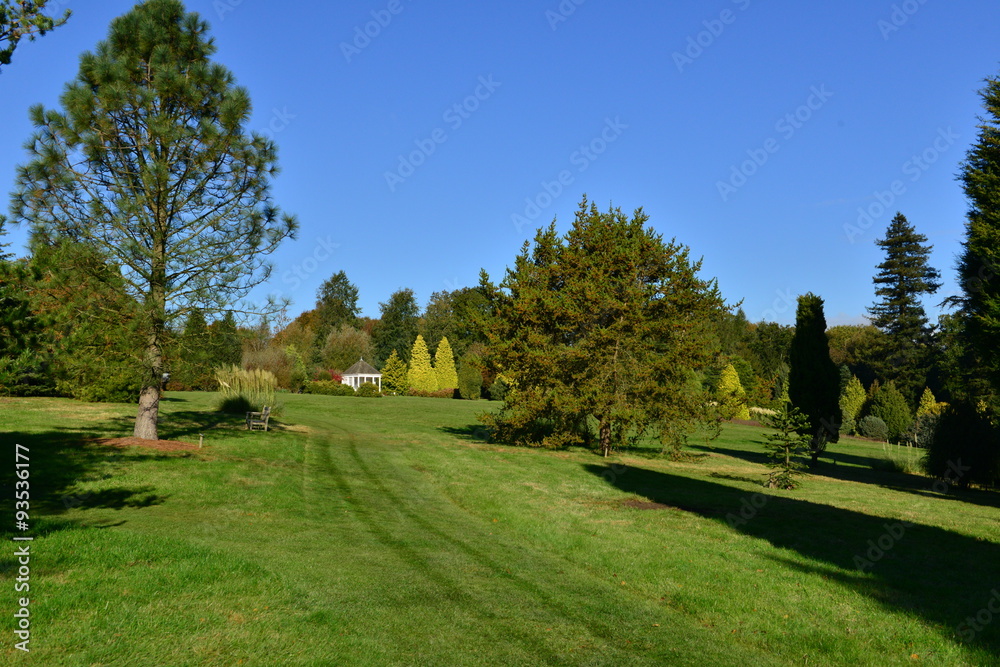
(161,445)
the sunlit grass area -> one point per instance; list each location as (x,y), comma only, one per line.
(389,531)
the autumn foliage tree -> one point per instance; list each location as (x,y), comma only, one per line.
(605,323)
(150,163)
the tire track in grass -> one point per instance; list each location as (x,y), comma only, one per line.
(535,647)
(612,639)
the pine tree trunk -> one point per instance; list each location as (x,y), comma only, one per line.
(149,396)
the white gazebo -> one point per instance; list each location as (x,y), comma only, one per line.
(362,372)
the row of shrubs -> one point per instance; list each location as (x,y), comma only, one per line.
(331,388)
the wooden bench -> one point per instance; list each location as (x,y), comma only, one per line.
(258,420)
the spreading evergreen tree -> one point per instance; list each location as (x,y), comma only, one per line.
(901,280)
(731,394)
(397,327)
(24,18)
(395,378)
(444,366)
(606,324)
(813,380)
(979,263)
(421,375)
(151,164)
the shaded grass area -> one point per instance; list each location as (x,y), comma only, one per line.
(391,532)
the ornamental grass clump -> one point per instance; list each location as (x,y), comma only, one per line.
(242,390)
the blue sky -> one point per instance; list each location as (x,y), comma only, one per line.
(751,131)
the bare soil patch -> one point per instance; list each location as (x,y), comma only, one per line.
(161,445)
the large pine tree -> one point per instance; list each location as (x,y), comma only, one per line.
(813,380)
(979,264)
(151,164)
(901,280)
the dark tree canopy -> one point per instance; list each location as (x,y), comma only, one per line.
(336,303)
(606,323)
(150,164)
(901,280)
(397,329)
(24,18)
(979,263)
(813,380)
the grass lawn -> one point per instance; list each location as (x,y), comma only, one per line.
(387,532)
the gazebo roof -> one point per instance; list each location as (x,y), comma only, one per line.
(362,367)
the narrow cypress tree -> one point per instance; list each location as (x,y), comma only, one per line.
(421,376)
(813,380)
(394,375)
(444,366)
(902,278)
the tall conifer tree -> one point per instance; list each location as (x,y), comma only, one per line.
(901,280)
(979,264)
(394,375)
(421,375)
(813,380)
(444,366)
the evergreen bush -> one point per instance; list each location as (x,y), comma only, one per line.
(873,427)
(889,405)
(368,390)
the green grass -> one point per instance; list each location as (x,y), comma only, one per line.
(387,532)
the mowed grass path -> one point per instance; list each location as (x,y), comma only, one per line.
(386,532)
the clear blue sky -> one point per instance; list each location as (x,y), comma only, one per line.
(599,97)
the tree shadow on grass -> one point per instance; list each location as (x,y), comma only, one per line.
(59,462)
(870,470)
(941,576)
(473,432)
